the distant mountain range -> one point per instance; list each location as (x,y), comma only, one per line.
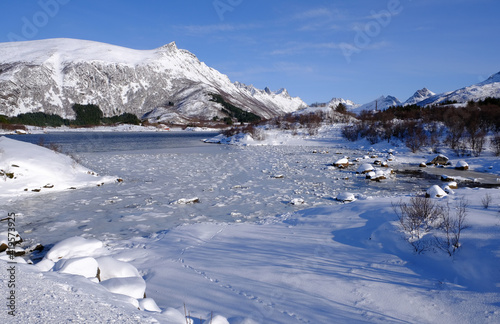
(425,97)
(479,91)
(165,84)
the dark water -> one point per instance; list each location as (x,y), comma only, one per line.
(94,142)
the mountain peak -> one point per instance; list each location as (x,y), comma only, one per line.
(419,96)
(381,103)
(172,46)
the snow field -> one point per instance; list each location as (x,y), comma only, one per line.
(245,254)
(29,169)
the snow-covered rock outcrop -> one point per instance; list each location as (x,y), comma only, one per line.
(51,75)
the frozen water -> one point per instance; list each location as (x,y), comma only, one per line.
(232,184)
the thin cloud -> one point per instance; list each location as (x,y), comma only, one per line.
(297,48)
(201,30)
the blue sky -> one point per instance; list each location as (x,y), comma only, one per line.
(318,50)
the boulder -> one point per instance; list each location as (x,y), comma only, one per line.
(365,168)
(342,163)
(73,247)
(435,192)
(345,197)
(446,178)
(131,286)
(462,165)
(84,266)
(439,160)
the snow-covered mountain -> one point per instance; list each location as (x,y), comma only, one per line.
(51,75)
(479,91)
(346,102)
(380,103)
(419,96)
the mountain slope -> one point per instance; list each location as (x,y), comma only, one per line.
(419,96)
(51,75)
(479,91)
(380,103)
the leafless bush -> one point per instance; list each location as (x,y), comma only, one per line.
(256,132)
(416,219)
(451,228)
(416,137)
(421,216)
(486,201)
(495,143)
(351,132)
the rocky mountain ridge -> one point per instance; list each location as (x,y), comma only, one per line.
(51,75)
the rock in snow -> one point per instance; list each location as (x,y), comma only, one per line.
(435,192)
(462,165)
(132,286)
(345,197)
(73,247)
(111,268)
(85,266)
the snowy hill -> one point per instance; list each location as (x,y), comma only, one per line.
(347,103)
(380,103)
(51,75)
(479,91)
(419,96)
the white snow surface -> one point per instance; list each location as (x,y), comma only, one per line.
(33,167)
(244,254)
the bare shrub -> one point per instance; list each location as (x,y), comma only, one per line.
(421,216)
(495,143)
(351,132)
(486,201)
(415,137)
(416,219)
(256,132)
(451,228)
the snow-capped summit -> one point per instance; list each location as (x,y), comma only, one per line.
(479,91)
(380,103)
(418,96)
(62,72)
(346,102)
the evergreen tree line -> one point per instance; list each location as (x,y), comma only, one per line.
(86,115)
(232,111)
(463,129)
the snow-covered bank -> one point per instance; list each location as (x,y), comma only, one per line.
(118,128)
(28,169)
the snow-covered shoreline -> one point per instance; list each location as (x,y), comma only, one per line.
(119,128)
